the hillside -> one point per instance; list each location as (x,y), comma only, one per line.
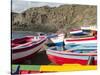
(47,19)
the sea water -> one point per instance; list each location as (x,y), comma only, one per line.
(20,34)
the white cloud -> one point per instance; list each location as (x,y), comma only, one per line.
(21,5)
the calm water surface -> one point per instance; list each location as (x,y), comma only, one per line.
(19,34)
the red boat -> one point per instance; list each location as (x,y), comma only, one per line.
(80,40)
(25,47)
(82,57)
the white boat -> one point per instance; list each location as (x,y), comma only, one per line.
(58,40)
(78,32)
(89,28)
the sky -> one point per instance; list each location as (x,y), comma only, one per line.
(21,5)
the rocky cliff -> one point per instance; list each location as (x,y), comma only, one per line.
(51,19)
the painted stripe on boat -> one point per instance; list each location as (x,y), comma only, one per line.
(66,67)
(69,55)
(77,31)
(56,68)
(27,48)
(28,67)
(81,39)
(22,54)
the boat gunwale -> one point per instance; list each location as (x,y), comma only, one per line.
(80,39)
(26,48)
(68,52)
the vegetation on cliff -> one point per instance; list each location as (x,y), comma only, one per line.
(52,19)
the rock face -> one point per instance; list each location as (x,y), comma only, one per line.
(51,19)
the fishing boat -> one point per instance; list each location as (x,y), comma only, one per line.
(58,40)
(32,69)
(89,28)
(76,54)
(80,40)
(25,47)
(78,32)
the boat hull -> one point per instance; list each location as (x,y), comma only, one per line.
(21,59)
(80,40)
(20,54)
(58,41)
(61,58)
